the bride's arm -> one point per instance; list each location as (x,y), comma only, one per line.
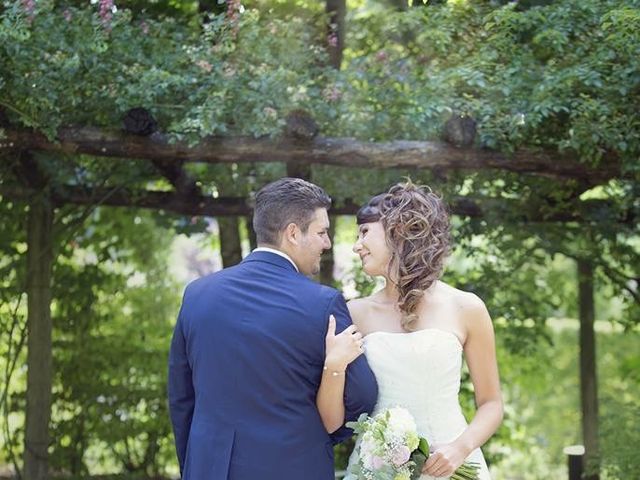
(480,354)
(341,350)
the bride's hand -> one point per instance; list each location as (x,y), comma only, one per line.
(444,460)
(344,348)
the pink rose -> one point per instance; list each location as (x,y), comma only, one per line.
(377,462)
(400,455)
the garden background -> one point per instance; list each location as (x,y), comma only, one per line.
(133,135)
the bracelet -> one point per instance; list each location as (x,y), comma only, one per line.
(334,373)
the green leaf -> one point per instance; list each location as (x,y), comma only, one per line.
(419,460)
(423,447)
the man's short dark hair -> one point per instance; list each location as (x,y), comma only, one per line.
(287,200)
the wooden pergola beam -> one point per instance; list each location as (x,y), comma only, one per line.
(343,152)
(200,205)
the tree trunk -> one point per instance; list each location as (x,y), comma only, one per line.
(400,5)
(253,241)
(39,356)
(230,246)
(327,261)
(588,374)
(212,6)
(336,9)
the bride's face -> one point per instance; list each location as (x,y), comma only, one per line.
(372,248)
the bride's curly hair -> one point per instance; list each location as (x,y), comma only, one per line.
(417,231)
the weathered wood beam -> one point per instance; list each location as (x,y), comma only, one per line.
(231,206)
(174,171)
(343,152)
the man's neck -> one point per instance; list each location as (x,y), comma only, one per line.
(277,251)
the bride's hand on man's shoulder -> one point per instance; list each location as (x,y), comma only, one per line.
(342,348)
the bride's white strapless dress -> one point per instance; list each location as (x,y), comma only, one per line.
(420,371)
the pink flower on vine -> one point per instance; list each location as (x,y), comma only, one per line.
(332,93)
(234,9)
(204,65)
(107,9)
(332,39)
(29,7)
(68,16)
(382,56)
(270,113)
(144,26)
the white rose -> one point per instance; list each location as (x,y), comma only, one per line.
(401,422)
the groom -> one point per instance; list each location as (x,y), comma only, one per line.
(248,350)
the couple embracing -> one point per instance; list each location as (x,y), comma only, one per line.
(266,365)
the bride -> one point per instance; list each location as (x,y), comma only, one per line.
(414,332)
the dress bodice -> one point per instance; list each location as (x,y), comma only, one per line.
(421,372)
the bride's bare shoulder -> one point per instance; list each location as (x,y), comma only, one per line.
(472,310)
(466,301)
(359,308)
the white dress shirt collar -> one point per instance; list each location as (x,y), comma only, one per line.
(277,252)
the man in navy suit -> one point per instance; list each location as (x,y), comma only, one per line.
(248,352)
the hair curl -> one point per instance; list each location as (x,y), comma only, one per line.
(417,231)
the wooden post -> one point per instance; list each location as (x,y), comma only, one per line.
(588,373)
(230,246)
(253,241)
(575,454)
(39,344)
(336,9)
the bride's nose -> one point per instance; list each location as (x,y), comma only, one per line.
(357,246)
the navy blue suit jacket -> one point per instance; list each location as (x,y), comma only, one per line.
(244,368)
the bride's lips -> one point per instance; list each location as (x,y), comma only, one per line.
(362,257)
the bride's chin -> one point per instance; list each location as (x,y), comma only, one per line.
(370,271)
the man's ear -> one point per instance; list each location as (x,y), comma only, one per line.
(291,234)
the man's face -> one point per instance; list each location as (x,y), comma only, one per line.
(313,243)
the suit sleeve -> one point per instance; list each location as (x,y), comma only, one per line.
(361,388)
(180,389)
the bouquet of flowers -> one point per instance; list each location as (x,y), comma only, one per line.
(390,448)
